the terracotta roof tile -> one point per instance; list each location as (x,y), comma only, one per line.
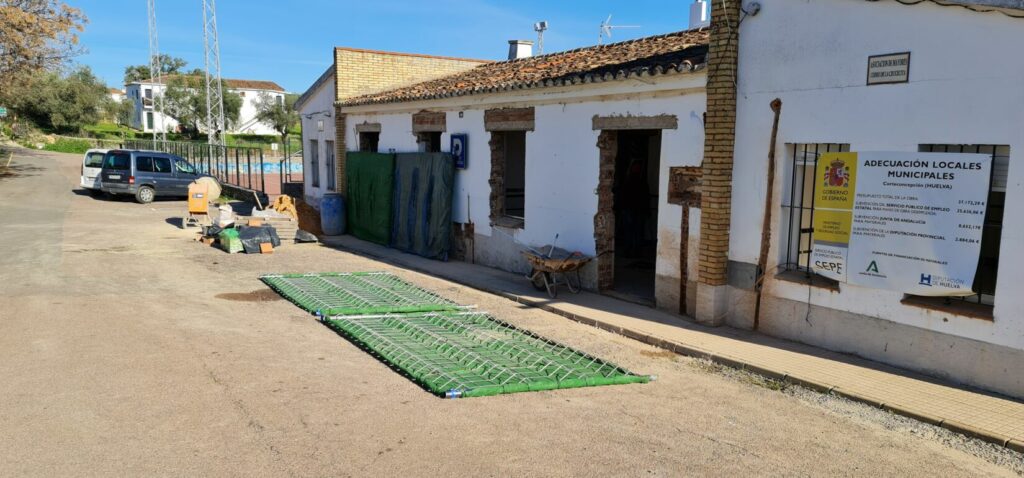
(233,83)
(657,55)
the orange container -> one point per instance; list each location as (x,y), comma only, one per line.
(198,202)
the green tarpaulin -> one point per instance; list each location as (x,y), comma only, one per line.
(370,192)
(422,220)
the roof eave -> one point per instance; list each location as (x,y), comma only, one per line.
(561,82)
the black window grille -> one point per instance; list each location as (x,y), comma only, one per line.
(988,261)
(314,163)
(798,203)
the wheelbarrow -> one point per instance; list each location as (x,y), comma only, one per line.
(555,268)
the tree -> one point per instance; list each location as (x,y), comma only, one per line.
(36,35)
(169,65)
(279,115)
(62,103)
(185,101)
(122,111)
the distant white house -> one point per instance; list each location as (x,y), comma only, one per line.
(142,93)
(116,94)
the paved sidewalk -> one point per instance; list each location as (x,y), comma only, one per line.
(989,417)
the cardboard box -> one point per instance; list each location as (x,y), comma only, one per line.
(255,222)
(266,248)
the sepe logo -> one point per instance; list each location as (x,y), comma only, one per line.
(926,279)
(872,267)
(837,174)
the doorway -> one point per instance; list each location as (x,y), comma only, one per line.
(635,203)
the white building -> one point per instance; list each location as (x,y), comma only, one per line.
(963,93)
(116,94)
(363,71)
(581,144)
(143,93)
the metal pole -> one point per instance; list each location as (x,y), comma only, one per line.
(248,166)
(238,170)
(263,179)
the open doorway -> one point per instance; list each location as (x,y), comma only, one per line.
(635,190)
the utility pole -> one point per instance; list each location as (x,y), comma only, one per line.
(155,75)
(214,92)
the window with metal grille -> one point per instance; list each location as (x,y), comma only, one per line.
(329,157)
(314,163)
(798,204)
(988,262)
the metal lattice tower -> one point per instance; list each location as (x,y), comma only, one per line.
(156,75)
(214,92)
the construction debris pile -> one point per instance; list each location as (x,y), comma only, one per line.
(259,233)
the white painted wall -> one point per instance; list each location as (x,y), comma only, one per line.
(315,107)
(247,122)
(965,88)
(561,154)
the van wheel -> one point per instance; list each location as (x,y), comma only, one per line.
(145,195)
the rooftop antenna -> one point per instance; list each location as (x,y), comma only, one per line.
(155,74)
(214,93)
(606,29)
(540,27)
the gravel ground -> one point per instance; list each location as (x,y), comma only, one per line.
(126,348)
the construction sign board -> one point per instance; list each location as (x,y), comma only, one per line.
(908,222)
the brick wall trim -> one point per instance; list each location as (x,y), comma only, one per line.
(429,122)
(634,122)
(367,127)
(509,119)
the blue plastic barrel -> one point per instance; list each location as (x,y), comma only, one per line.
(332,214)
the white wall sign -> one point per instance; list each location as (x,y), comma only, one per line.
(909,222)
(891,68)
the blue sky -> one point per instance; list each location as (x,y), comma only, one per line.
(291,42)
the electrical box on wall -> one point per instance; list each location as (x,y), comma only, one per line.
(684,185)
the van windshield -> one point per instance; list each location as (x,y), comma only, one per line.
(118,161)
(94,160)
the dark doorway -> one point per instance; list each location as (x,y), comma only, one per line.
(429,142)
(637,164)
(368,141)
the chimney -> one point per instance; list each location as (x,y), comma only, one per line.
(699,17)
(519,49)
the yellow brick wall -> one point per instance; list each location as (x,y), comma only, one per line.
(361,72)
(719,139)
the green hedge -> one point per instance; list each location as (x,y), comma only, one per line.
(62,145)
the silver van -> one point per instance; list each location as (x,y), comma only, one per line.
(146,175)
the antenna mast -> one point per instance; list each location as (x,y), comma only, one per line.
(155,75)
(214,92)
(606,29)
(540,27)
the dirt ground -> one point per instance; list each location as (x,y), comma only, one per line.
(126,348)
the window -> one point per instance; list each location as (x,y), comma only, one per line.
(369,141)
(314,163)
(118,161)
(94,160)
(798,209)
(329,159)
(515,174)
(144,164)
(184,166)
(149,93)
(241,94)
(280,100)
(162,165)
(429,142)
(149,120)
(988,262)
